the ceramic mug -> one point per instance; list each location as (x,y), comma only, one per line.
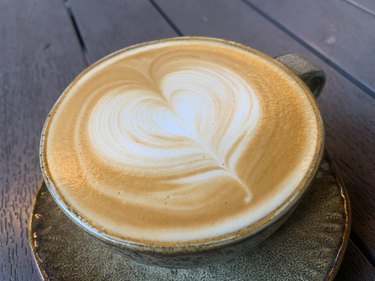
(231,246)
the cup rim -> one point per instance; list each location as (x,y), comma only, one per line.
(190,246)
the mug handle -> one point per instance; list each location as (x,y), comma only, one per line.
(312,75)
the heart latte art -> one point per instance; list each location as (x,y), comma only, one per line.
(179,141)
(190,130)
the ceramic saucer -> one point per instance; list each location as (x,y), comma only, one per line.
(309,246)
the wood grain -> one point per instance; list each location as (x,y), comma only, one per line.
(355,266)
(343,35)
(108,26)
(39,55)
(367,6)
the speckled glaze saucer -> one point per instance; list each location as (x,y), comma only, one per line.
(309,246)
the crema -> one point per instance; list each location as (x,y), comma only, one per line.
(180,140)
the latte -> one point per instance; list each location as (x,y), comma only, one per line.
(180,140)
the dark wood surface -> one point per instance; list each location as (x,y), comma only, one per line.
(367,6)
(44,44)
(355,266)
(109,26)
(340,33)
(39,55)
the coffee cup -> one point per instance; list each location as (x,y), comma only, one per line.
(185,151)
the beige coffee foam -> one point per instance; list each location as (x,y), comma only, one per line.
(156,144)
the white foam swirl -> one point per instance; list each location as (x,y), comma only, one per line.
(193,128)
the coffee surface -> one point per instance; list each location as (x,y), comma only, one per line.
(180,140)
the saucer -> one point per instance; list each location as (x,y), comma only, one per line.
(309,246)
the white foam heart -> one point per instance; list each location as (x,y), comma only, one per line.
(193,128)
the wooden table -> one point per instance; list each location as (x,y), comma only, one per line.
(44,44)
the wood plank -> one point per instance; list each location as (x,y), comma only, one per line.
(39,55)
(348,112)
(355,266)
(365,5)
(107,26)
(343,35)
